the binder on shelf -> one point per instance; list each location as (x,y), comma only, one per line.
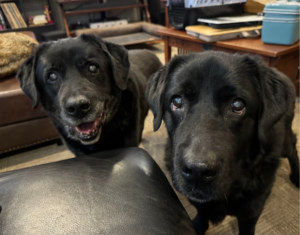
(18,15)
(2,21)
(7,15)
(13,16)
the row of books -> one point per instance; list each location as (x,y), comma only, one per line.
(10,16)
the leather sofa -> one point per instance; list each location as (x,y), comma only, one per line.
(20,125)
(119,192)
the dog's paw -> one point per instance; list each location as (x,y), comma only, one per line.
(295,179)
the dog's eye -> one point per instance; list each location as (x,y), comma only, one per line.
(176,103)
(93,68)
(52,78)
(237,106)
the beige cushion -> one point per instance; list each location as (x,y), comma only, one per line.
(122,30)
(15,48)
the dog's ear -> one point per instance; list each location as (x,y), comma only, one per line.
(156,88)
(120,63)
(26,76)
(277,93)
(118,57)
(154,94)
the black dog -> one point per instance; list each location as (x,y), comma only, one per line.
(229,120)
(89,88)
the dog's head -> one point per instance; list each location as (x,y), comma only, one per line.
(218,109)
(78,81)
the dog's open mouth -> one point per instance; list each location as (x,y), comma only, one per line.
(89,132)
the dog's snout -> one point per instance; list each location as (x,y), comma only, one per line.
(199,173)
(78,107)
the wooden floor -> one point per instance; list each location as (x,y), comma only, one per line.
(281,213)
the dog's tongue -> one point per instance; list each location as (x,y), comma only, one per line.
(86,127)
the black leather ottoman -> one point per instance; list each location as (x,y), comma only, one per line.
(117,192)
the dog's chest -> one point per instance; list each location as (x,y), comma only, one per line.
(216,211)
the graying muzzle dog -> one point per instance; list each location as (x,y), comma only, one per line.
(92,90)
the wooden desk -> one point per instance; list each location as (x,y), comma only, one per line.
(284,58)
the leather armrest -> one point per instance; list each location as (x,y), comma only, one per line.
(119,192)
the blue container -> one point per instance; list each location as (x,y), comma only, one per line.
(281,23)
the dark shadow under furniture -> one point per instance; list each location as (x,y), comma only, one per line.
(119,192)
(283,58)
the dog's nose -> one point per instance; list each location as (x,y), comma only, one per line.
(78,107)
(198,173)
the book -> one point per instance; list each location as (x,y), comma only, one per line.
(2,21)
(18,15)
(13,15)
(8,17)
(39,19)
(209,34)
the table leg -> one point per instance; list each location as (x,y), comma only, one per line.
(167,50)
(166,16)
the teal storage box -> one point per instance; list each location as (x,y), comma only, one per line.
(281,23)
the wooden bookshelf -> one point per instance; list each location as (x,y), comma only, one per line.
(26,8)
(74,1)
(29,28)
(103,9)
(143,4)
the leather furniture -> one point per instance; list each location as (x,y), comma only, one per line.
(118,192)
(20,125)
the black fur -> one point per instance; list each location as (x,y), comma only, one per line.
(244,149)
(115,93)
